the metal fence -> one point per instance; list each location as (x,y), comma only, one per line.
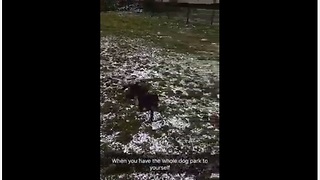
(192,11)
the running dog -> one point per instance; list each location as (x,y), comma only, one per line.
(146,101)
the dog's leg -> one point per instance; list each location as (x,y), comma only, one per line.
(140,107)
(151,115)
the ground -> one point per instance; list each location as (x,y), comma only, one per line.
(173,34)
(181,64)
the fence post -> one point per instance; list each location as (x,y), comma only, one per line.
(212,17)
(213,11)
(188,13)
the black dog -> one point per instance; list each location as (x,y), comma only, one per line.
(146,100)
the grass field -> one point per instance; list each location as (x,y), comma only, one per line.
(180,68)
(173,33)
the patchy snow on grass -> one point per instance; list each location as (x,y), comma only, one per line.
(188,90)
(155,176)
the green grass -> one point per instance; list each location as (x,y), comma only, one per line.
(171,33)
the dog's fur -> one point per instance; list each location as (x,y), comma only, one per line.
(146,100)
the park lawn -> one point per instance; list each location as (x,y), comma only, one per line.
(173,34)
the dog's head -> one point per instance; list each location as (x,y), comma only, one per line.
(135,90)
